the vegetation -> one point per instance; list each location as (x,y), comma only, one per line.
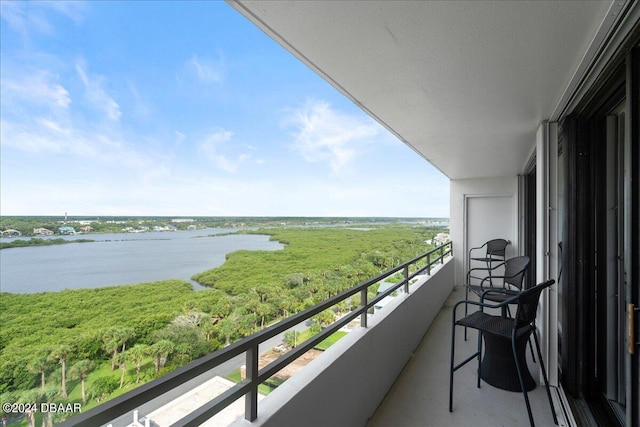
(39,242)
(89,345)
(331,340)
(27,224)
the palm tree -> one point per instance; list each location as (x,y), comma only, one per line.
(40,364)
(122,364)
(61,354)
(29,398)
(124,335)
(160,352)
(228,327)
(80,370)
(182,353)
(114,340)
(263,310)
(111,346)
(46,396)
(7,396)
(208,328)
(325,318)
(137,353)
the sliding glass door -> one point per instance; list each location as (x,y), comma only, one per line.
(600,217)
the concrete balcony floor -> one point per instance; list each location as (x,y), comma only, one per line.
(420,396)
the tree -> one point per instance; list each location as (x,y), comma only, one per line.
(191,336)
(325,318)
(222,307)
(208,329)
(88,344)
(46,395)
(248,306)
(125,335)
(193,318)
(40,364)
(29,398)
(264,309)
(80,370)
(111,346)
(160,352)
(291,338)
(6,397)
(102,387)
(137,353)
(294,280)
(228,327)
(315,328)
(122,364)
(61,354)
(182,353)
(114,341)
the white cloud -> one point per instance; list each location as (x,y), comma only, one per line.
(38,117)
(38,88)
(179,138)
(74,10)
(96,94)
(45,136)
(322,134)
(27,17)
(206,71)
(141,108)
(212,146)
(20,18)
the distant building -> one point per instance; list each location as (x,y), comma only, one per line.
(86,229)
(164,228)
(11,233)
(66,230)
(142,229)
(42,231)
(440,239)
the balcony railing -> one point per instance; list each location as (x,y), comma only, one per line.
(248,387)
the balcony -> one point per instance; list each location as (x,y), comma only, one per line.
(420,395)
(393,370)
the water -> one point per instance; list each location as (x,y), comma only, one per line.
(118,259)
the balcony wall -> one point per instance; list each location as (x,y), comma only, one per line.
(482,209)
(345,385)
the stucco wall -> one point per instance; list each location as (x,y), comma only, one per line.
(462,191)
(345,385)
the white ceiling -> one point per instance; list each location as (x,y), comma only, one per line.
(464,83)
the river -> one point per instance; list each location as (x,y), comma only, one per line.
(118,259)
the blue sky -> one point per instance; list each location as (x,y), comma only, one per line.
(185,108)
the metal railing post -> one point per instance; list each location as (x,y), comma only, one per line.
(251,398)
(429,264)
(363,303)
(406,279)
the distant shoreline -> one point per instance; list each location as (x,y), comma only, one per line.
(37,241)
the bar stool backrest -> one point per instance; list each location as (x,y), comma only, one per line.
(515,269)
(496,248)
(528,304)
